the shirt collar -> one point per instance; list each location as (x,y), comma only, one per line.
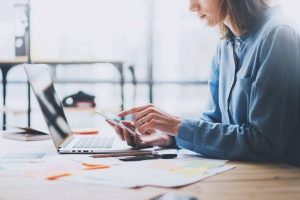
(245,36)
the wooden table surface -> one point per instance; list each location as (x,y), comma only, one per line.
(246,181)
(251,181)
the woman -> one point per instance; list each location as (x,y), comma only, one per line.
(254,110)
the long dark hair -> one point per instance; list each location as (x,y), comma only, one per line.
(242,14)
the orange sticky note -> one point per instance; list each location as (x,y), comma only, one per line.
(97,167)
(93,166)
(85,131)
(55,177)
(89,165)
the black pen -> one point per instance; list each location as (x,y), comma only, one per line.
(149,157)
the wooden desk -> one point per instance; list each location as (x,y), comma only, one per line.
(247,181)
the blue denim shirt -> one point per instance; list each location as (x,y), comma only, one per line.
(254,110)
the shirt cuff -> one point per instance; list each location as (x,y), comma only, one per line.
(186,134)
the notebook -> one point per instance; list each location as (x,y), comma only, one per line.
(25,134)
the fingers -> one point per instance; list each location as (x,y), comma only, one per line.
(125,135)
(148,127)
(142,115)
(119,132)
(146,118)
(161,140)
(128,124)
(111,124)
(145,112)
(154,122)
(134,110)
(140,142)
(150,123)
(129,138)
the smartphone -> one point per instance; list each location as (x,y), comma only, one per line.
(115,122)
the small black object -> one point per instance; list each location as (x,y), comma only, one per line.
(167,155)
(79,99)
(138,158)
(149,157)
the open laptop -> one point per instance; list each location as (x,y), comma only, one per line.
(60,131)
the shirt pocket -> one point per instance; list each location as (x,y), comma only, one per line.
(240,99)
(244,84)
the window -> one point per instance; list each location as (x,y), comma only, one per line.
(159,36)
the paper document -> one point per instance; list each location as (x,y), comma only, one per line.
(162,173)
(58,167)
(183,170)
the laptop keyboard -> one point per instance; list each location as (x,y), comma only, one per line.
(94,142)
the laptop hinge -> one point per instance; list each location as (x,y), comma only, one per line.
(66,142)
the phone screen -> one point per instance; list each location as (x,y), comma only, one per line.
(115,122)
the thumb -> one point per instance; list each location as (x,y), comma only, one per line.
(111,124)
(160,140)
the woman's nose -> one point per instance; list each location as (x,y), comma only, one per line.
(194,6)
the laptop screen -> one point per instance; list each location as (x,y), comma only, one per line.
(52,109)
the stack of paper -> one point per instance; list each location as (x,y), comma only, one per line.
(184,170)
(162,173)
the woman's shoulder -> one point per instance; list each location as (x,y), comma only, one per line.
(277,23)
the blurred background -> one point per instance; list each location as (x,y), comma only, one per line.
(164,51)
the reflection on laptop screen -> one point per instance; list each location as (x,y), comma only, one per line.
(52,109)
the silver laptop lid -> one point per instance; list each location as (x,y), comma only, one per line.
(52,109)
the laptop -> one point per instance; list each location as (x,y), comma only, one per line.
(64,140)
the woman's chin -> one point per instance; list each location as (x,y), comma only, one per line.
(208,22)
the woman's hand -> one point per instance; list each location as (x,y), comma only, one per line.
(148,120)
(137,140)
